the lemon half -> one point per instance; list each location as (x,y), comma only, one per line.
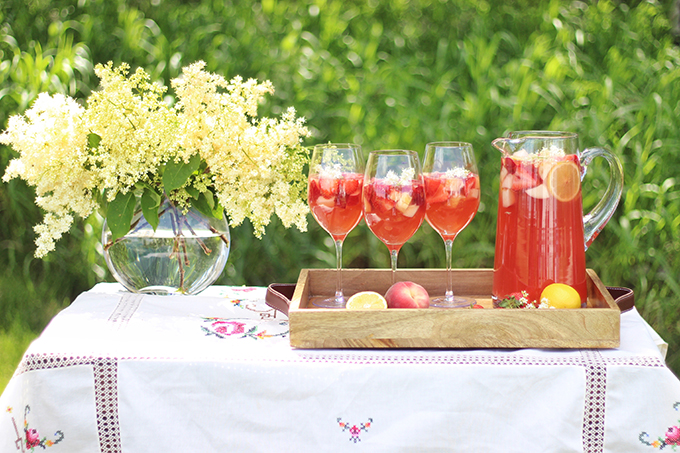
(366,300)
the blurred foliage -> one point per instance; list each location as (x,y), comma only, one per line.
(385,74)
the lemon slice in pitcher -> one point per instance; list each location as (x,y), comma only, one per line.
(564,180)
(366,300)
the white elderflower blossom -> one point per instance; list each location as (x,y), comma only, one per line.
(52,143)
(458,172)
(406,176)
(251,159)
(124,138)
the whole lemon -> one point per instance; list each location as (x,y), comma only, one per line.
(559,295)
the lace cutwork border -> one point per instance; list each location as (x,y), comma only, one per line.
(594,364)
(594,408)
(105,370)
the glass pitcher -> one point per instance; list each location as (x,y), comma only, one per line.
(541,232)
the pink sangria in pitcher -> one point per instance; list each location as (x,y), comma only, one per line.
(542,234)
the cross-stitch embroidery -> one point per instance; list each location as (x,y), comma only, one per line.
(267,313)
(237,303)
(239,328)
(31,437)
(671,437)
(355,430)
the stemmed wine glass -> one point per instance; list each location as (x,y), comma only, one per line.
(452,192)
(394,198)
(336,177)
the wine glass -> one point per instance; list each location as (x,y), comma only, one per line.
(394,198)
(336,178)
(452,193)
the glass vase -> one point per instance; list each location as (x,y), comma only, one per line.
(185,254)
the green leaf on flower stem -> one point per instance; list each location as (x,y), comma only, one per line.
(177,173)
(119,214)
(93,140)
(150,202)
(210,199)
(193,192)
(100,198)
(207,205)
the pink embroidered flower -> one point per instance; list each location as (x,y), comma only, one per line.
(229,327)
(245,289)
(673,435)
(32,438)
(354,430)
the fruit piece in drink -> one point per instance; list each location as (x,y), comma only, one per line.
(335,202)
(452,202)
(394,212)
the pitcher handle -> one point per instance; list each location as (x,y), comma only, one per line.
(597,218)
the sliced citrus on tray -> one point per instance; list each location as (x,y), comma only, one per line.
(564,180)
(366,300)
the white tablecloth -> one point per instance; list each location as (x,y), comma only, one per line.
(122,372)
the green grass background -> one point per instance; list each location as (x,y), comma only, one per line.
(385,74)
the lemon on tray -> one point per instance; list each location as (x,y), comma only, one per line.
(366,300)
(559,295)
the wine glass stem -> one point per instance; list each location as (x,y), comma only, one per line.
(339,296)
(448,244)
(393,262)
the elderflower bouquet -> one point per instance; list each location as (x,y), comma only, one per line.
(209,151)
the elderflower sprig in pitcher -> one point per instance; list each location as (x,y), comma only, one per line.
(207,151)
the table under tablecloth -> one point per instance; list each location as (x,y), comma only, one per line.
(117,371)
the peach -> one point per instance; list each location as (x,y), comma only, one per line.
(407,295)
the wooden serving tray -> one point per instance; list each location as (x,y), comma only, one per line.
(597,326)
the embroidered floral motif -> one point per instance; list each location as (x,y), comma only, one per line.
(237,303)
(239,328)
(670,439)
(31,438)
(244,289)
(229,327)
(267,313)
(355,430)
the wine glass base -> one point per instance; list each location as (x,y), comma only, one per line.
(330,302)
(452,302)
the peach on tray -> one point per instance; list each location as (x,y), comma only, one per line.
(407,295)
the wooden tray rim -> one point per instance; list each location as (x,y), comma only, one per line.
(301,289)
(334,327)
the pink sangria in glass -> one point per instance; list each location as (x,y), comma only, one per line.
(334,195)
(394,198)
(452,192)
